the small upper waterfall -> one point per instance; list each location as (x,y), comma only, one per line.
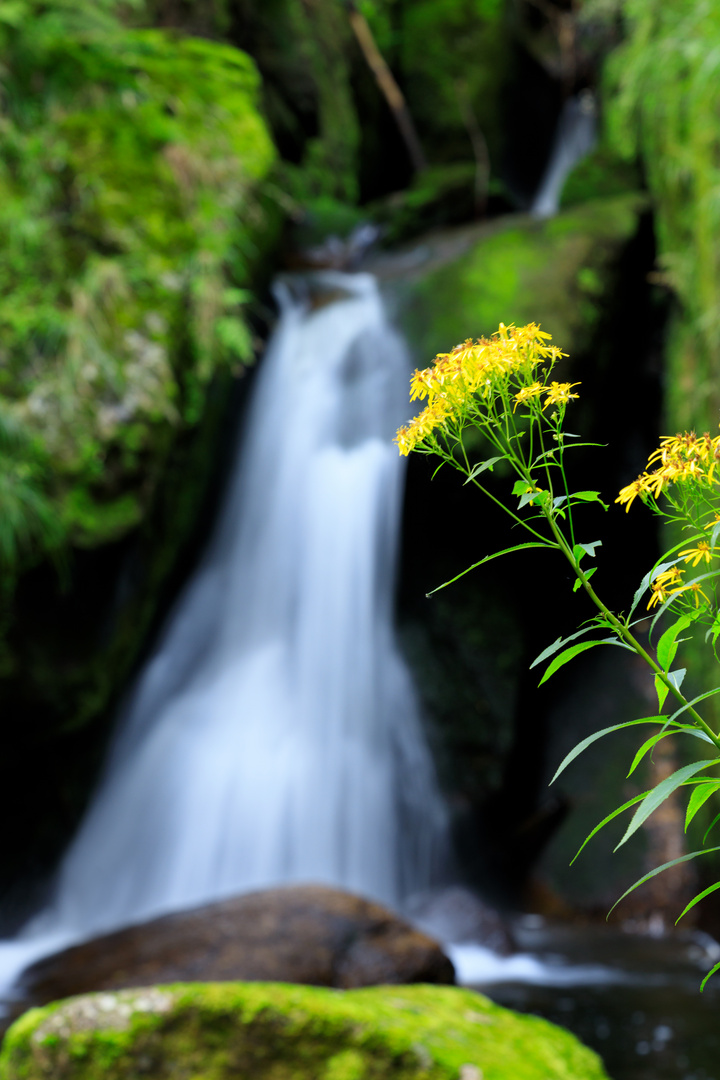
(574,138)
(273,736)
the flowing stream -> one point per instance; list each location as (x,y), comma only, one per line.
(274,736)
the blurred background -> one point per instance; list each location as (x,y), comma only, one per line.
(414,172)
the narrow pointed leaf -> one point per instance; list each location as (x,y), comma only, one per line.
(481,467)
(709,975)
(696,899)
(588,496)
(606,820)
(558,644)
(577,750)
(489,558)
(575,650)
(660,869)
(645,583)
(588,574)
(690,704)
(710,827)
(668,643)
(699,797)
(649,744)
(663,791)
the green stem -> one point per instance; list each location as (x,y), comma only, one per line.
(623,632)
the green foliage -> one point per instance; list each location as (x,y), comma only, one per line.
(664,90)
(127,160)
(450,55)
(502,389)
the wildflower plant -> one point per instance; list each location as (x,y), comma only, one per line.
(502,387)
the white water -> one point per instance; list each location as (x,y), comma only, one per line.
(274,737)
(574,138)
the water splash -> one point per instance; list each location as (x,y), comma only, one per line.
(274,736)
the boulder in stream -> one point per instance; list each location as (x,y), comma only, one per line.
(267,1030)
(302,934)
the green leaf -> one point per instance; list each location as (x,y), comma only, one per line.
(577,750)
(668,643)
(659,870)
(489,558)
(699,797)
(558,644)
(659,568)
(694,701)
(575,650)
(649,744)
(625,806)
(661,792)
(709,975)
(710,826)
(675,677)
(589,549)
(520,487)
(696,900)
(481,467)
(588,574)
(588,496)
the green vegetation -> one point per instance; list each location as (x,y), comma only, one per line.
(664,90)
(560,270)
(282,1032)
(452,57)
(127,162)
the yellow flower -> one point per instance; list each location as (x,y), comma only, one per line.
(558,393)
(662,586)
(631,491)
(695,555)
(528,392)
(695,589)
(474,370)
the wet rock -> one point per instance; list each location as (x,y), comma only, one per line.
(303,934)
(265,1031)
(457,915)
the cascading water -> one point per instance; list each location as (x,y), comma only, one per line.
(274,735)
(574,138)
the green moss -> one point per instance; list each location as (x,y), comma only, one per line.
(663,88)
(519,270)
(600,175)
(283,1032)
(128,158)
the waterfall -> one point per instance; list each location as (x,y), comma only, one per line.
(574,138)
(274,735)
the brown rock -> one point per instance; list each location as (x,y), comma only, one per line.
(302,934)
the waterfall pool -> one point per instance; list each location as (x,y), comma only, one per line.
(634,998)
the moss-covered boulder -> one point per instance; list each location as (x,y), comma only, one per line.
(127,221)
(284,1032)
(558,273)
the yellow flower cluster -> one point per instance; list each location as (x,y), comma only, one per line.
(678,459)
(670,583)
(504,363)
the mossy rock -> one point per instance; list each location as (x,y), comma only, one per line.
(277,1031)
(517,270)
